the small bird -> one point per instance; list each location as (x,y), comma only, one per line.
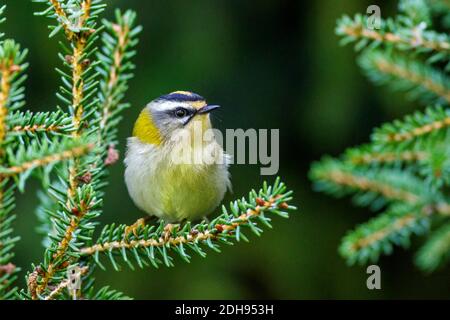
(159,180)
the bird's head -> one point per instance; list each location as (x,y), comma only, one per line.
(164,116)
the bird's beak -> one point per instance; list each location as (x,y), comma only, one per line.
(207,109)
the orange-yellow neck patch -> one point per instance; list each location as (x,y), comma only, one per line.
(146,130)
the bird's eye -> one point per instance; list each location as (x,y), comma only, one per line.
(181,112)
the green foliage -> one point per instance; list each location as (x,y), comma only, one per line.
(9,52)
(436,250)
(378,236)
(27,125)
(113,84)
(8,271)
(153,244)
(414,132)
(12,58)
(404,170)
(69,150)
(405,33)
(417,11)
(44,154)
(420,81)
(106,293)
(18,159)
(69,16)
(374,187)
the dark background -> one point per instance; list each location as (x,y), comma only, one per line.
(270,64)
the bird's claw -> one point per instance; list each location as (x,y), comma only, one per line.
(134,227)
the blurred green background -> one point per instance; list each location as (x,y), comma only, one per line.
(270,64)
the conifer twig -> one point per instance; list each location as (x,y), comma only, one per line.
(368,240)
(146,242)
(71,153)
(419,131)
(413,129)
(62,17)
(383,68)
(411,37)
(405,169)
(332,173)
(6,69)
(120,39)
(396,225)
(79,64)
(167,240)
(436,250)
(121,32)
(11,66)
(29,123)
(365,156)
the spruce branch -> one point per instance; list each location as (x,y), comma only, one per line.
(414,130)
(371,185)
(11,97)
(106,293)
(78,19)
(23,125)
(153,244)
(8,271)
(72,16)
(415,11)
(435,169)
(79,194)
(418,79)
(119,41)
(69,228)
(11,91)
(366,155)
(404,34)
(394,227)
(43,154)
(56,10)
(436,250)
(406,166)
(431,160)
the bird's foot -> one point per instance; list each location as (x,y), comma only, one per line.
(169,229)
(140,223)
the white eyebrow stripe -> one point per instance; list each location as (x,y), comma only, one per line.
(168,106)
(164,106)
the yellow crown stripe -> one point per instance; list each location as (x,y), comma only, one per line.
(186,93)
(198,104)
(145,129)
